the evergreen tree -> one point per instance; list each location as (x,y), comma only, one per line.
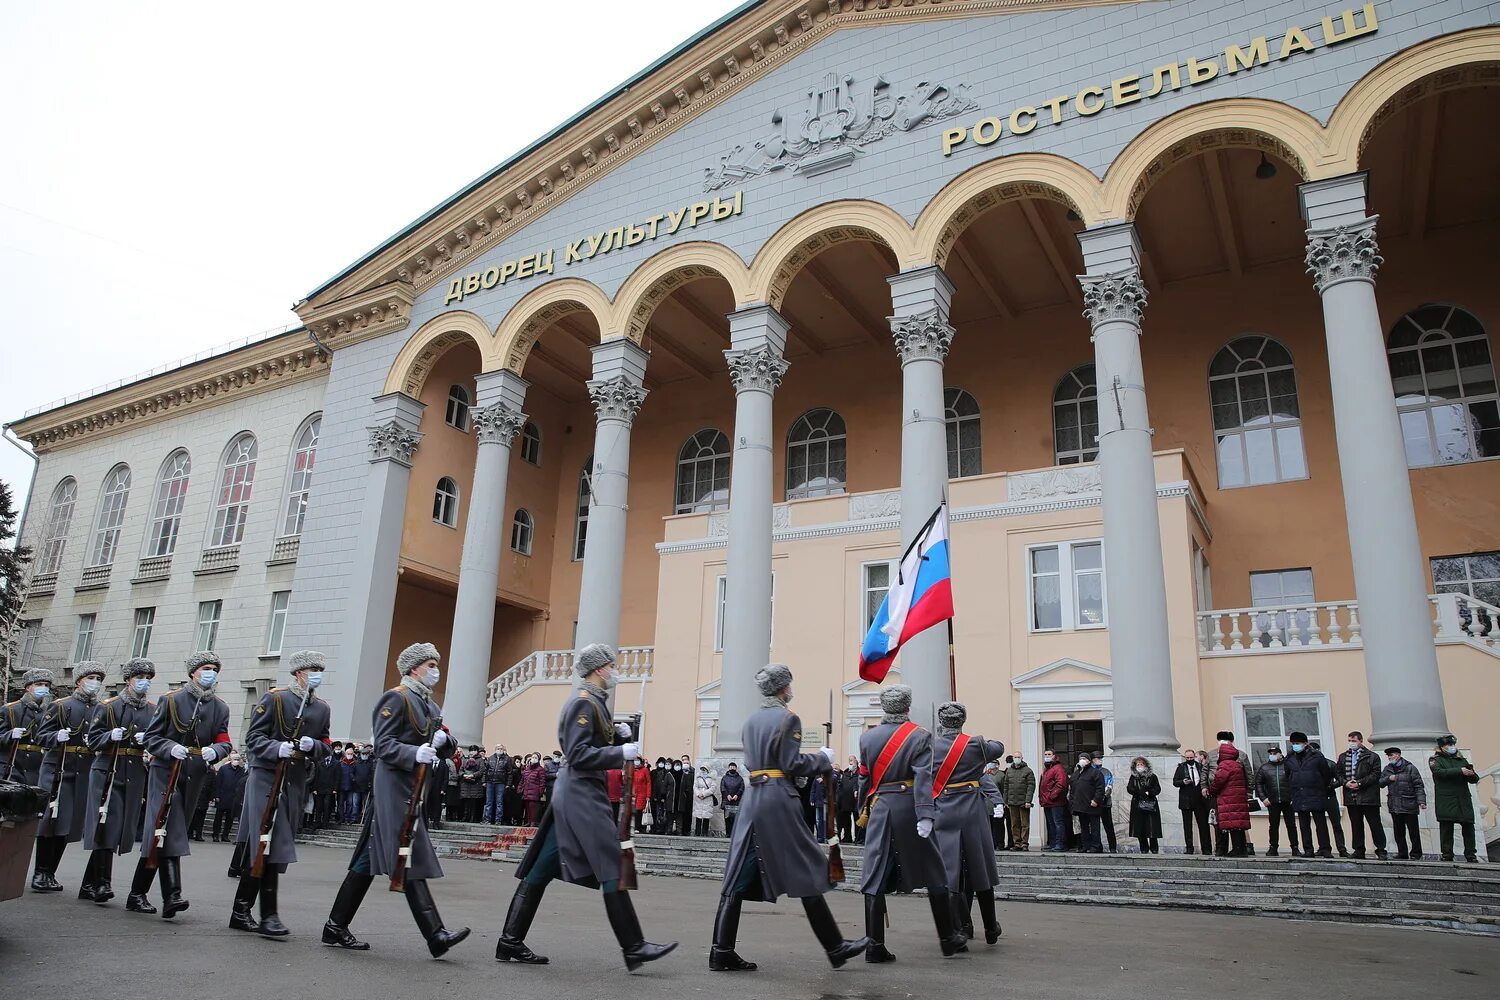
(14,560)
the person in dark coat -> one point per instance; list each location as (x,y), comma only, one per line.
(1310,776)
(471,786)
(1226,739)
(350,783)
(1452,774)
(1331,807)
(116,740)
(846,800)
(899,816)
(408,733)
(441,772)
(663,792)
(1274,789)
(1144,789)
(1229,788)
(65,778)
(961,828)
(515,809)
(1052,795)
(496,771)
(229,797)
(1189,779)
(550,767)
(1406,796)
(731,797)
(533,785)
(288,724)
(18,723)
(1360,769)
(1018,788)
(324,786)
(577,840)
(682,799)
(190,725)
(1086,793)
(772,853)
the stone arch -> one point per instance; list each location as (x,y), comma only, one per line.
(1006,178)
(1245,122)
(539,309)
(815,230)
(1462,59)
(431,341)
(667,271)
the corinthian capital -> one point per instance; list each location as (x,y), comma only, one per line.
(616,398)
(497,423)
(1348,253)
(759,368)
(393,441)
(1118,296)
(922,335)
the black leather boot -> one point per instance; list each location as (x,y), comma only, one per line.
(949,937)
(43,873)
(627,927)
(87,883)
(237,860)
(244,898)
(169,870)
(140,884)
(512,944)
(962,921)
(987,912)
(876,951)
(104,873)
(345,905)
(270,923)
(721,956)
(826,930)
(424,910)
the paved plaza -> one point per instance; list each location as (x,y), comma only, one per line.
(55,945)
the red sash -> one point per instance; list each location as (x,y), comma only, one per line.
(950,764)
(888,753)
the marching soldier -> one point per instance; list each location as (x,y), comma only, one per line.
(962,830)
(577,840)
(899,813)
(23,755)
(190,725)
(117,780)
(773,852)
(288,725)
(64,777)
(407,733)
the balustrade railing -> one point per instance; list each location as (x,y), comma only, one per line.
(218,560)
(1327,625)
(284,550)
(1459,617)
(42,584)
(152,568)
(555,666)
(94,576)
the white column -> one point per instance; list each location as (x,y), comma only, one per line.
(920,328)
(1135,585)
(617,389)
(757,337)
(1406,693)
(496,418)
(367,628)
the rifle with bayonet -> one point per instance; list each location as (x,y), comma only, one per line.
(55,792)
(830,806)
(273,803)
(414,805)
(114,763)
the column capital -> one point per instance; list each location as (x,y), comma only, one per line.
(1120,296)
(921,290)
(497,423)
(617,398)
(1344,253)
(756,326)
(922,336)
(756,369)
(393,441)
(1334,201)
(1110,249)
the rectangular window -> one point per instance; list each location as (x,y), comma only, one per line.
(1271,725)
(1067,586)
(208,624)
(140,641)
(83,643)
(876,583)
(31,634)
(254,691)
(277,626)
(1476,575)
(721,599)
(1282,588)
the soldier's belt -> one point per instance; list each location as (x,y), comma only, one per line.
(31,747)
(129,752)
(894,788)
(71,749)
(195,751)
(767,774)
(955,785)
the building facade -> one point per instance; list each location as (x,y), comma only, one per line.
(1185,309)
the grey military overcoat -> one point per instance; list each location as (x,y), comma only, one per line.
(172,723)
(21,714)
(962,830)
(403,721)
(125,792)
(75,715)
(896,858)
(272,723)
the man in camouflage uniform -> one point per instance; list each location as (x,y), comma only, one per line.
(19,749)
(64,777)
(962,830)
(117,780)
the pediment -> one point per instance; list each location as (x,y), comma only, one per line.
(861,686)
(1064,671)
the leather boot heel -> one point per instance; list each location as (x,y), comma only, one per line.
(627,927)
(512,944)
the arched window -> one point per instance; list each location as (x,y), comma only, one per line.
(166,506)
(581,510)
(703,472)
(816,455)
(458,407)
(961,417)
(1075,418)
(232,500)
(445,502)
(531,444)
(522,527)
(1257,424)
(1444,379)
(59,520)
(111,516)
(299,482)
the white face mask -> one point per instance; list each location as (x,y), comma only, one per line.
(41,691)
(207,678)
(1353,745)
(1140,770)
(433,676)
(91,685)
(314,678)
(141,685)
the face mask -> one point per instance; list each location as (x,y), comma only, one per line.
(677,767)
(140,685)
(91,685)
(1353,746)
(1298,747)
(433,676)
(1451,751)
(314,678)
(348,756)
(1393,760)
(661,767)
(1140,770)
(41,691)
(1018,763)
(1049,758)
(207,678)
(610,682)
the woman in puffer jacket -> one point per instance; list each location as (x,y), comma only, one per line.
(1231,791)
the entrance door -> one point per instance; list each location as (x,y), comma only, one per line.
(1069,739)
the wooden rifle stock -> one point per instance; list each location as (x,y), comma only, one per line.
(408,827)
(830,824)
(273,802)
(164,808)
(627,816)
(55,791)
(114,763)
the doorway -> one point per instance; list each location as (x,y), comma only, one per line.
(1070,738)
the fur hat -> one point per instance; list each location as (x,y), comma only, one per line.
(1225,736)
(773,678)
(308,659)
(896,700)
(952,715)
(83,668)
(37,675)
(1298,737)
(202,658)
(137,666)
(415,655)
(591,658)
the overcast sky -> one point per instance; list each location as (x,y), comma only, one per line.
(177,174)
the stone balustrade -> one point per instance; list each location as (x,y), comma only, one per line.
(1335,625)
(555,666)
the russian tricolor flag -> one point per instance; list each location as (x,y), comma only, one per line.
(921,597)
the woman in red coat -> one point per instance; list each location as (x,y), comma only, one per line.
(642,795)
(1231,792)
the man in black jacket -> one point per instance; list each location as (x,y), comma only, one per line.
(1086,797)
(1360,768)
(1274,790)
(846,799)
(229,795)
(1189,780)
(496,771)
(1310,776)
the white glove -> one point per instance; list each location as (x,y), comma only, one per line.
(63,735)
(426,754)
(631,751)
(117,734)
(999,812)
(17,733)
(924,828)
(622,730)
(828,752)
(140,739)
(284,750)
(305,744)
(439,739)
(179,751)
(210,753)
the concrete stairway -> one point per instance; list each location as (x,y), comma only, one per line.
(1429,894)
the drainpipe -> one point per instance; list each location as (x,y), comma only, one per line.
(36,462)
